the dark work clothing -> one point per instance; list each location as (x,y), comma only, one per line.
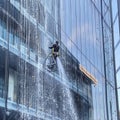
(56,47)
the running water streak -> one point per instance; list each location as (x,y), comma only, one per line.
(61,70)
(67,92)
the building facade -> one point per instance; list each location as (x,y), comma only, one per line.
(82,84)
(116,32)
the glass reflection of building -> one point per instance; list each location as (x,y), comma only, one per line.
(116,33)
(27,90)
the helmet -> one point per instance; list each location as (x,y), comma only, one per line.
(57,42)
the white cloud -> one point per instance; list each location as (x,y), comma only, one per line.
(83,32)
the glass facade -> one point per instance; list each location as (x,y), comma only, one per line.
(116,32)
(28,91)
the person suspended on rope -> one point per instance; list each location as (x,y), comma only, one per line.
(55,50)
(55,53)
